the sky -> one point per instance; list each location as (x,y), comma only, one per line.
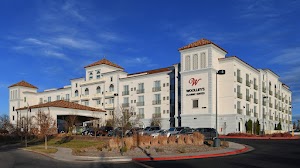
(48,42)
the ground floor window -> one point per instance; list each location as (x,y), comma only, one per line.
(195,103)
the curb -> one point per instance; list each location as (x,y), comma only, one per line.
(41,153)
(261,138)
(239,151)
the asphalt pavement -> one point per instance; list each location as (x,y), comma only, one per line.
(266,153)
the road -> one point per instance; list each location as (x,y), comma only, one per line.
(267,153)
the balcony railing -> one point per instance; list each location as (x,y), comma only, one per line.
(156,89)
(140,116)
(264,116)
(290,112)
(140,103)
(276,95)
(270,92)
(270,105)
(247,83)
(276,118)
(248,113)
(255,114)
(239,95)
(155,102)
(276,106)
(264,103)
(255,87)
(279,97)
(239,79)
(140,91)
(248,98)
(156,115)
(124,93)
(125,104)
(290,103)
(240,111)
(264,89)
(255,101)
(279,108)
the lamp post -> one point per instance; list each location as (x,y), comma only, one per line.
(217,140)
(265,97)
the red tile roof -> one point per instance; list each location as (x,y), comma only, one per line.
(200,42)
(24,84)
(63,104)
(151,71)
(104,61)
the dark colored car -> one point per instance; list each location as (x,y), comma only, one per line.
(209,133)
(186,130)
(104,130)
(134,131)
(117,132)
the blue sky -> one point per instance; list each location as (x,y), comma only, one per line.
(49,42)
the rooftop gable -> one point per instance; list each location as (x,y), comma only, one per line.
(23,84)
(198,43)
(104,61)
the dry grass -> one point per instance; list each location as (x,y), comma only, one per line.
(172,140)
(188,140)
(129,142)
(114,143)
(154,142)
(180,140)
(145,140)
(198,138)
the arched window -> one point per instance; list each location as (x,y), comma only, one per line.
(195,61)
(98,75)
(86,91)
(98,89)
(203,60)
(76,93)
(187,63)
(91,76)
(111,88)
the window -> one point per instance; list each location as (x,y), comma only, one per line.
(98,90)
(195,103)
(111,88)
(86,103)
(86,91)
(141,86)
(140,98)
(58,97)
(157,110)
(49,99)
(111,78)
(41,100)
(13,117)
(157,97)
(24,99)
(141,113)
(76,93)
(125,100)
(157,84)
(98,75)
(98,101)
(203,60)
(91,75)
(67,97)
(187,63)
(76,85)
(13,108)
(195,62)
(111,101)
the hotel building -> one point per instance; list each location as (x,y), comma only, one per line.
(185,94)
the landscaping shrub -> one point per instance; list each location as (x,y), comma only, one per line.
(198,138)
(180,140)
(154,141)
(128,142)
(188,139)
(114,143)
(162,140)
(225,144)
(159,150)
(145,140)
(172,140)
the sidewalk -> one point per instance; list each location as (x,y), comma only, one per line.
(65,154)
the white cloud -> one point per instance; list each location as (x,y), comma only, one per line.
(76,43)
(288,56)
(36,42)
(71,10)
(139,61)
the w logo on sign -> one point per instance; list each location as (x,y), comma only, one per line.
(194,81)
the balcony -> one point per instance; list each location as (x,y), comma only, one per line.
(248,113)
(240,111)
(279,108)
(264,116)
(156,89)
(276,106)
(271,117)
(279,97)
(255,101)
(276,95)
(255,87)
(276,118)
(248,83)
(125,104)
(286,101)
(290,112)
(109,94)
(124,93)
(255,114)
(109,106)
(282,99)
(140,116)
(140,103)
(239,79)
(290,103)
(239,95)
(85,97)
(139,91)
(264,89)
(270,92)
(248,98)
(270,105)
(156,115)
(77,98)
(155,102)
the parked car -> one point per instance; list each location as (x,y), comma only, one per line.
(87,131)
(174,130)
(185,131)
(133,131)
(209,133)
(104,130)
(159,132)
(117,132)
(149,130)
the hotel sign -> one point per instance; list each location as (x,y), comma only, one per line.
(195,91)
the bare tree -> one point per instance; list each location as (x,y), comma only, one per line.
(5,123)
(155,121)
(46,124)
(71,121)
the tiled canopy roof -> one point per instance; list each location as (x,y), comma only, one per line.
(151,71)
(200,42)
(64,104)
(24,84)
(104,61)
